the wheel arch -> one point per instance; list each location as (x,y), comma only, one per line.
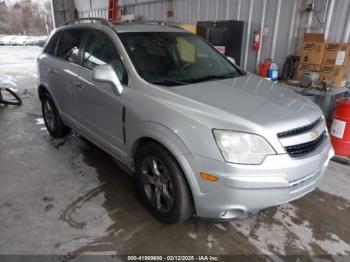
(178,150)
(42,90)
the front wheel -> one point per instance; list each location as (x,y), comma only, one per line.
(162,184)
(52,119)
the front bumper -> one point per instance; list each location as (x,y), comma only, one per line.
(243,189)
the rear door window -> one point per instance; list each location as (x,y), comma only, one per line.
(69,45)
(100,50)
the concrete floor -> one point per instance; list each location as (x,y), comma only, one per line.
(65,196)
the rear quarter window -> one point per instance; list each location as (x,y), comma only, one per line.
(51,46)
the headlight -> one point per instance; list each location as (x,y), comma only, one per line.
(242,148)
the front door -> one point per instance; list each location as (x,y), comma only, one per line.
(100,108)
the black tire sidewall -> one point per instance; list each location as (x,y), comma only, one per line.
(60,129)
(182,208)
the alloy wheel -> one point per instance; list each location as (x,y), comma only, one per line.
(49,116)
(157,184)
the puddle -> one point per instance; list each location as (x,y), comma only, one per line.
(314,225)
(67,214)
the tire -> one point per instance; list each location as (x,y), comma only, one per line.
(162,184)
(52,119)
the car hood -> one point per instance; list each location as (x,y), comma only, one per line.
(248,103)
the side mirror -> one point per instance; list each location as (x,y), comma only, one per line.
(231,59)
(106,74)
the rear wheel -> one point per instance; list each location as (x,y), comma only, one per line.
(162,184)
(52,119)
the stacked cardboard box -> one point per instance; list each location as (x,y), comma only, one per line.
(336,64)
(311,53)
(330,60)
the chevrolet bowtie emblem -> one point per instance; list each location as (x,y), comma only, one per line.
(314,135)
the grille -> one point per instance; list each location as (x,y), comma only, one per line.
(306,148)
(299,130)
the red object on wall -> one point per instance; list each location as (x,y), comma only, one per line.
(340,129)
(265,67)
(257,40)
(114,11)
(170,13)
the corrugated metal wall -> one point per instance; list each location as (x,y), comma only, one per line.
(93,8)
(283,21)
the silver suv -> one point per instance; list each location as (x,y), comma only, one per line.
(201,135)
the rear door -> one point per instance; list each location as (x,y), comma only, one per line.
(63,74)
(100,108)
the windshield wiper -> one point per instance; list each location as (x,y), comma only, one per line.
(209,77)
(169,82)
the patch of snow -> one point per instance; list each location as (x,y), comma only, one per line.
(40,121)
(192,235)
(118,232)
(220,226)
(340,208)
(211,241)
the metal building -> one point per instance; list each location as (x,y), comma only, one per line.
(283,22)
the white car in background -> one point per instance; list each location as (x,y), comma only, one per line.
(29,40)
(18,40)
(41,40)
(7,40)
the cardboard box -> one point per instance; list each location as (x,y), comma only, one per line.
(189,27)
(337,54)
(305,67)
(337,75)
(312,49)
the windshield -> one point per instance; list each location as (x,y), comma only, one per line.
(171,58)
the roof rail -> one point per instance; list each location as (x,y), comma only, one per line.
(102,21)
(149,22)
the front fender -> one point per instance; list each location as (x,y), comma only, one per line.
(176,147)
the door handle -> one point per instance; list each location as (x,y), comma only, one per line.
(51,71)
